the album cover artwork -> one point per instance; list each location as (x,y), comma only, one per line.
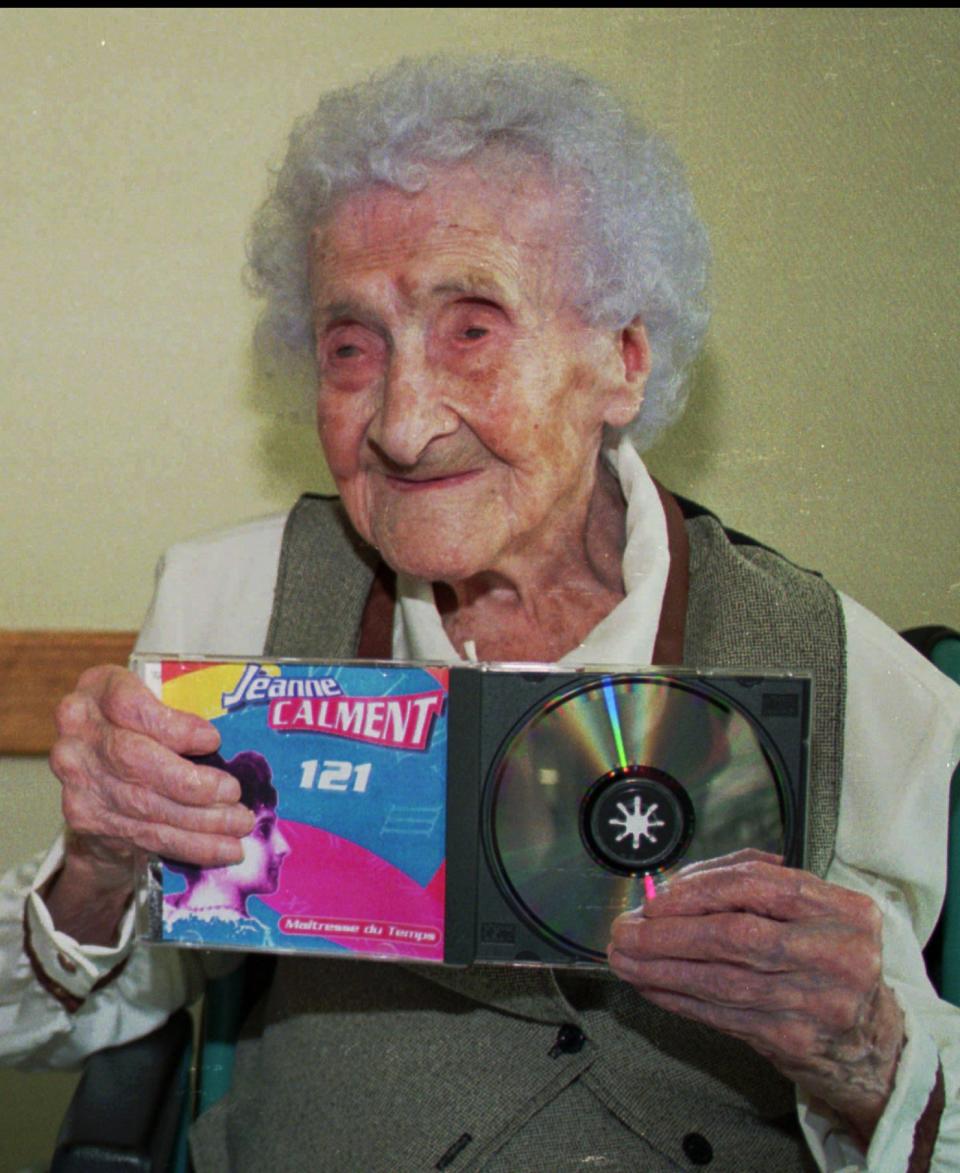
(344,767)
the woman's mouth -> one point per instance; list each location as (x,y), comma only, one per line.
(419,484)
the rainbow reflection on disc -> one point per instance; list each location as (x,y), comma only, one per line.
(616,782)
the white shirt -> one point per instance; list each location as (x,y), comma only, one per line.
(902,740)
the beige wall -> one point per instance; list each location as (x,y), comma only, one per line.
(822,148)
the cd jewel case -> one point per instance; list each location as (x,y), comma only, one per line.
(491,813)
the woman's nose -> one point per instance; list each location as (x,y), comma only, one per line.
(413,410)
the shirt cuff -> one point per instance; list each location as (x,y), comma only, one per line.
(65,968)
(892,1143)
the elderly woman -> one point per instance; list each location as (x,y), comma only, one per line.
(502,280)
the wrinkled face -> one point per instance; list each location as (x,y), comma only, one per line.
(264,851)
(461,398)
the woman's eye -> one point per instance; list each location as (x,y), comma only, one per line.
(472,320)
(348,345)
(343,349)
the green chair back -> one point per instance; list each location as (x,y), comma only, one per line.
(946,655)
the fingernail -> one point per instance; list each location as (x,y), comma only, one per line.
(228,790)
(231,852)
(239,821)
(208,735)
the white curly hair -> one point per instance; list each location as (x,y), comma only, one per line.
(643,251)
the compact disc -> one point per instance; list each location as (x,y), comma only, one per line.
(610,785)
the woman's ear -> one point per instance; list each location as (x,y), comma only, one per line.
(635,351)
(633,368)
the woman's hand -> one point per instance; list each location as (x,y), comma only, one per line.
(127,790)
(782,960)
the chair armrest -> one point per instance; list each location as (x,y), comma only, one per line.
(130,1106)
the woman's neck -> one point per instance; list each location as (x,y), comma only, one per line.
(540,608)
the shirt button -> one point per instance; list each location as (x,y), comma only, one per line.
(698,1149)
(570,1040)
(65,963)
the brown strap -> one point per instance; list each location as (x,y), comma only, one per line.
(928,1128)
(376,625)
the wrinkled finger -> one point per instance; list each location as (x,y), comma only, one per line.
(149,806)
(208,840)
(738,938)
(192,847)
(124,700)
(827,952)
(781,1037)
(739,987)
(786,894)
(71,760)
(123,757)
(134,757)
(745,855)
(106,806)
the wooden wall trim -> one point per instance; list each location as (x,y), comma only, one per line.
(37,669)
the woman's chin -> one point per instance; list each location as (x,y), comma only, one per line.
(437,566)
(433,555)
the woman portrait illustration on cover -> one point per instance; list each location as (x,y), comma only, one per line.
(222,893)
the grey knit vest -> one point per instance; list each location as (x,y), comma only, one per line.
(369,1067)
